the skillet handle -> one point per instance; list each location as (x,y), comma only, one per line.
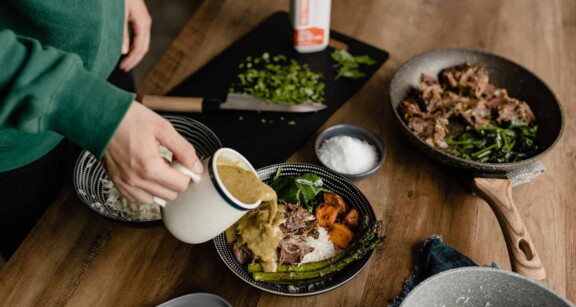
(523,255)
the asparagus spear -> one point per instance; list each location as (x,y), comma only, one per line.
(301,282)
(370,231)
(309,266)
(295,276)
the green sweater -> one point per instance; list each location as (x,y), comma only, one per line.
(54,59)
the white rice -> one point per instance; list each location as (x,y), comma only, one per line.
(130,210)
(323,247)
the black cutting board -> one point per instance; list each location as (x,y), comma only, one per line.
(266,138)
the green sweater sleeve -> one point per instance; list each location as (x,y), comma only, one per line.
(43,88)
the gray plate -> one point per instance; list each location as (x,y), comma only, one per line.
(89,172)
(484,287)
(340,185)
(197,300)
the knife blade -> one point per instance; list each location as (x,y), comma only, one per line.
(234,101)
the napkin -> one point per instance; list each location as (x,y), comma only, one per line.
(436,257)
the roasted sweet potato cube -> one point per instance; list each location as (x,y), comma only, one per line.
(341,235)
(326,215)
(335,200)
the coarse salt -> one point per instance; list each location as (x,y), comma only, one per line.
(348,155)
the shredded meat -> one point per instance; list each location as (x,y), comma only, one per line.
(422,127)
(467,80)
(430,93)
(298,221)
(462,92)
(477,114)
(515,109)
(292,247)
(242,253)
(411,109)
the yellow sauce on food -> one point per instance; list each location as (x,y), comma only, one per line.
(258,229)
(261,236)
(246,186)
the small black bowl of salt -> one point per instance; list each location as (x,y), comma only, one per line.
(350,151)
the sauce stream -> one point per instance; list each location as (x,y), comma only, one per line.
(259,228)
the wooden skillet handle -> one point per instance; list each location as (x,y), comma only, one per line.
(523,255)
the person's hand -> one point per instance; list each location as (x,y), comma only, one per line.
(133,161)
(139,20)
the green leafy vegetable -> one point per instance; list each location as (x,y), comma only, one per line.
(278,79)
(511,142)
(302,190)
(348,65)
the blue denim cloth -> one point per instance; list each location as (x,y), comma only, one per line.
(436,257)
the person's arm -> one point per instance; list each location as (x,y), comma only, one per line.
(42,88)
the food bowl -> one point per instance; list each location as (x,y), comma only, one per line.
(358,133)
(333,182)
(91,181)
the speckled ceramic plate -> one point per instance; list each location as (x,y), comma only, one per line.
(340,185)
(90,176)
(484,287)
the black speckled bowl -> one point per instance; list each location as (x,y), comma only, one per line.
(332,181)
(90,175)
(356,132)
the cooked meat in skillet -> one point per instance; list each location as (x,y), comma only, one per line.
(464,94)
(466,80)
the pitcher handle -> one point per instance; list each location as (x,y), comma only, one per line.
(195,178)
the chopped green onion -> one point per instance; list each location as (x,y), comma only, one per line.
(277,79)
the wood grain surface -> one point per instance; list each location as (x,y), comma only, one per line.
(76,258)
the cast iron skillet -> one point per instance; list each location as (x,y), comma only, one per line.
(491,179)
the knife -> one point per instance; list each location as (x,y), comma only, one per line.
(234,101)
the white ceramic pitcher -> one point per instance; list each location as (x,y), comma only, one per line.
(206,208)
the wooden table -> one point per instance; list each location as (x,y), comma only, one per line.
(74,257)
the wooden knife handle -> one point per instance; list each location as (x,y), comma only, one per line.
(173,104)
(523,255)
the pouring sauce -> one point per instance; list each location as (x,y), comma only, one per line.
(258,229)
(246,186)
